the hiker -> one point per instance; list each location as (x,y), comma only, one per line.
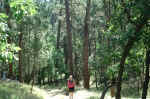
(71,86)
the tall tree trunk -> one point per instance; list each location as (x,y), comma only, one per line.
(8,13)
(34,67)
(10,70)
(76,60)
(125,53)
(29,71)
(20,57)
(58,37)
(147,77)
(58,34)
(96,74)
(59,28)
(86,75)
(96,80)
(69,36)
(65,54)
(76,69)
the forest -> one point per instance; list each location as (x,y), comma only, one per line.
(104,44)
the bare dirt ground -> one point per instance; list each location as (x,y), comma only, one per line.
(79,94)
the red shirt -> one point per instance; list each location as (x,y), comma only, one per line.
(70,84)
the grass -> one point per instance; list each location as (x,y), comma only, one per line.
(15,90)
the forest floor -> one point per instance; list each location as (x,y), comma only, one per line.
(80,93)
(16,90)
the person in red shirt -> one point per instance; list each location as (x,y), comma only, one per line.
(71,86)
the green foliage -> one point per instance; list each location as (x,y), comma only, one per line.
(112,71)
(110,29)
(3,17)
(37,45)
(21,8)
(6,50)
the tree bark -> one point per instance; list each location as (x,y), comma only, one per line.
(96,80)
(105,90)
(69,36)
(8,13)
(29,71)
(58,37)
(34,70)
(76,72)
(20,57)
(86,75)
(125,53)
(58,34)
(147,77)
(59,28)
(65,50)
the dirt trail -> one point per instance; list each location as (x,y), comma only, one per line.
(80,94)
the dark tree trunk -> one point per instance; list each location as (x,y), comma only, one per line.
(147,77)
(69,36)
(89,47)
(48,78)
(96,80)
(10,63)
(39,77)
(65,51)
(125,53)
(76,60)
(58,34)
(10,70)
(8,13)
(86,75)
(76,72)
(59,28)
(20,57)
(32,81)
(96,74)
(34,71)
(104,92)
(29,73)
(43,75)
(58,37)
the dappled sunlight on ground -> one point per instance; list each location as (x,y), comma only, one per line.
(17,89)
(41,92)
(79,94)
(85,94)
(60,94)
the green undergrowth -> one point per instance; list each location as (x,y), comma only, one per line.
(16,90)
